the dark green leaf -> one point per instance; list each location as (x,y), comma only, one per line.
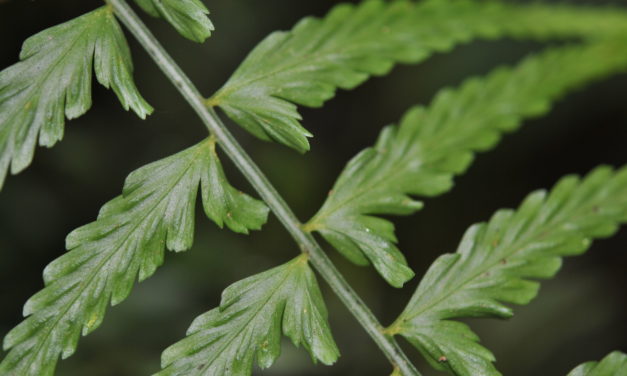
(54,80)
(305,66)
(432,145)
(155,211)
(496,260)
(188,17)
(248,324)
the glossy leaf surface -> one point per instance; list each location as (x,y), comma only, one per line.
(498,262)
(188,17)
(305,66)
(53,81)
(421,156)
(248,325)
(125,243)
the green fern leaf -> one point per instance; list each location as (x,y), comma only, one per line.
(306,65)
(432,145)
(53,81)
(615,364)
(188,17)
(495,261)
(155,211)
(248,324)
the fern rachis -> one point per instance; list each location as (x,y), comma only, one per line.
(497,262)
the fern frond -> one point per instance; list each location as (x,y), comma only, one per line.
(615,364)
(307,65)
(496,260)
(188,17)
(54,79)
(432,145)
(248,325)
(127,241)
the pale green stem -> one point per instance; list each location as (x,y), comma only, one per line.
(234,151)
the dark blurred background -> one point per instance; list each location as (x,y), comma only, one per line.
(579,316)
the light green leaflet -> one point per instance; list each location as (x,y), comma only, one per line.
(433,144)
(188,17)
(495,261)
(54,80)
(248,325)
(305,66)
(615,364)
(127,241)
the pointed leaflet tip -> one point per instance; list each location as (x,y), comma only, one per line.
(307,65)
(422,155)
(188,17)
(126,242)
(248,325)
(495,261)
(54,80)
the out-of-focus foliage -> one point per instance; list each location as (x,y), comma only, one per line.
(615,364)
